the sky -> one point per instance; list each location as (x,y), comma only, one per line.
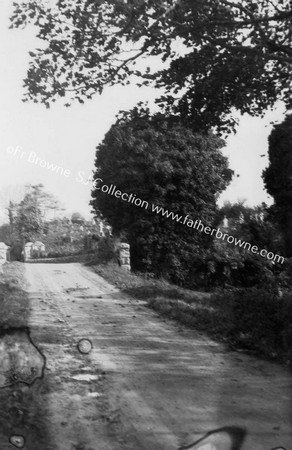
(67,137)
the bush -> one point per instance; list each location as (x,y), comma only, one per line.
(284,274)
(15,251)
(254,319)
(261,321)
(107,250)
(231,268)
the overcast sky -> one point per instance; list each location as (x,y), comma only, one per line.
(67,137)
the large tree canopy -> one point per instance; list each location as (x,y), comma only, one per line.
(169,167)
(278,178)
(233,53)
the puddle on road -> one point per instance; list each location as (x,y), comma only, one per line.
(93,394)
(85,377)
(77,288)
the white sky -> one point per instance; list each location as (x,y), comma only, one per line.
(68,136)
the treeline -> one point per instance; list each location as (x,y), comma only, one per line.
(171,166)
(37,216)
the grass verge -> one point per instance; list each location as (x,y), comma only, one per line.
(252,320)
(14,304)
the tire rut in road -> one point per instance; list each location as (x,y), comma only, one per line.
(70,406)
(162,389)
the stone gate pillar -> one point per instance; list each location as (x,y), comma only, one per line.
(27,251)
(124,256)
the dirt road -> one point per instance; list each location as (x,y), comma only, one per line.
(147,383)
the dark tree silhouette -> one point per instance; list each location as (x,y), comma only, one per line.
(234,54)
(278,178)
(164,165)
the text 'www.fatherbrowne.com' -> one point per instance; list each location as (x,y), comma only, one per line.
(186,220)
(219,234)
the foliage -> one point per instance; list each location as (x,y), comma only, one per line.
(227,265)
(77,218)
(278,178)
(64,238)
(262,321)
(28,221)
(5,234)
(107,250)
(235,211)
(16,251)
(253,224)
(252,319)
(167,166)
(231,54)
(144,286)
(14,302)
(27,218)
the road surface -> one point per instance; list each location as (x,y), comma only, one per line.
(147,384)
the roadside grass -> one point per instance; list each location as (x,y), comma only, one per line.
(14,304)
(143,285)
(251,320)
(193,308)
(81,257)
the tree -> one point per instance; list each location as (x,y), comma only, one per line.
(252,224)
(278,178)
(5,234)
(234,54)
(234,210)
(162,165)
(77,218)
(31,213)
(10,196)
